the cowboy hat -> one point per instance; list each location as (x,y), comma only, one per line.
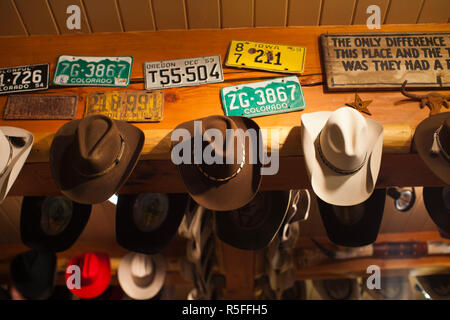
(52,223)
(142,276)
(254,226)
(342,151)
(436,285)
(33,274)
(91,158)
(437,203)
(354,226)
(232,178)
(391,288)
(147,222)
(337,289)
(432,141)
(94,269)
(15,146)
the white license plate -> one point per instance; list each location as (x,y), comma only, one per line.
(182,72)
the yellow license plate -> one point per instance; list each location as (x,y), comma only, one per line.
(132,106)
(265,56)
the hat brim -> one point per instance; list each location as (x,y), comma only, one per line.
(231,194)
(131,288)
(423,140)
(90,190)
(334,188)
(101,283)
(34,237)
(257,238)
(20,155)
(438,212)
(131,238)
(427,284)
(361,233)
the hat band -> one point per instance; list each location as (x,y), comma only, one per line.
(436,147)
(210,177)
(113,164)
(334,168)
(9,158)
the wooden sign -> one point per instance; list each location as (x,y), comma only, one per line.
(385,60)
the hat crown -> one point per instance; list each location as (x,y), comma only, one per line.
(218,144)
(97,145)
(90,266)
(343,139)
(141,266)
(4,151)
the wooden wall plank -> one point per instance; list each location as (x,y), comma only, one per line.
(136,15)
(103,15)
(169,14)
(337,12)
(270,13)
(403,11)
(360,16)
(303,12)
(435,11)
(10,21)
(36,16)
(203,14)
(237,13)
(59,9)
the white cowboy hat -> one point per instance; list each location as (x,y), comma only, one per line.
(142,276)
(15,146)
(342,152)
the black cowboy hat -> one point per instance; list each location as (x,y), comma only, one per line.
(437,203)
(354,226)
(253,226)
(52,223)
(147,222)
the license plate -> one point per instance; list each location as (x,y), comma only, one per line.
(265,56)
(93,71)
(183,72)
(132,106)
(24,78)
(263,98)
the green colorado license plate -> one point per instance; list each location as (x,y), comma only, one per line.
(93,71)
(263,98)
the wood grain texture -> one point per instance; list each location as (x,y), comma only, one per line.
(270,13)
(303,12)
(403,11)
(36,16)
(203,14)
(435,11)
(237,13)
(136,15)
(360,16)
(169,14)
(337,12)
(10,21)
(103,15)
(59,9)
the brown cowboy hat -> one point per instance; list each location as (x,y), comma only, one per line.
(91,158)
(432,141)
(216,186)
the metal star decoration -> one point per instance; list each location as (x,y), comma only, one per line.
(360,105)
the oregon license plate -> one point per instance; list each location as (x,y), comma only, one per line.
(265,56)
(93,71)
(132,106)
(263,98)
(183,72)
(24,78)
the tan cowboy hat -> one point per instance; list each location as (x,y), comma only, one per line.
(91,158)
(342,152)
(432,141)
(15,146)
(142,276)
(220,186)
